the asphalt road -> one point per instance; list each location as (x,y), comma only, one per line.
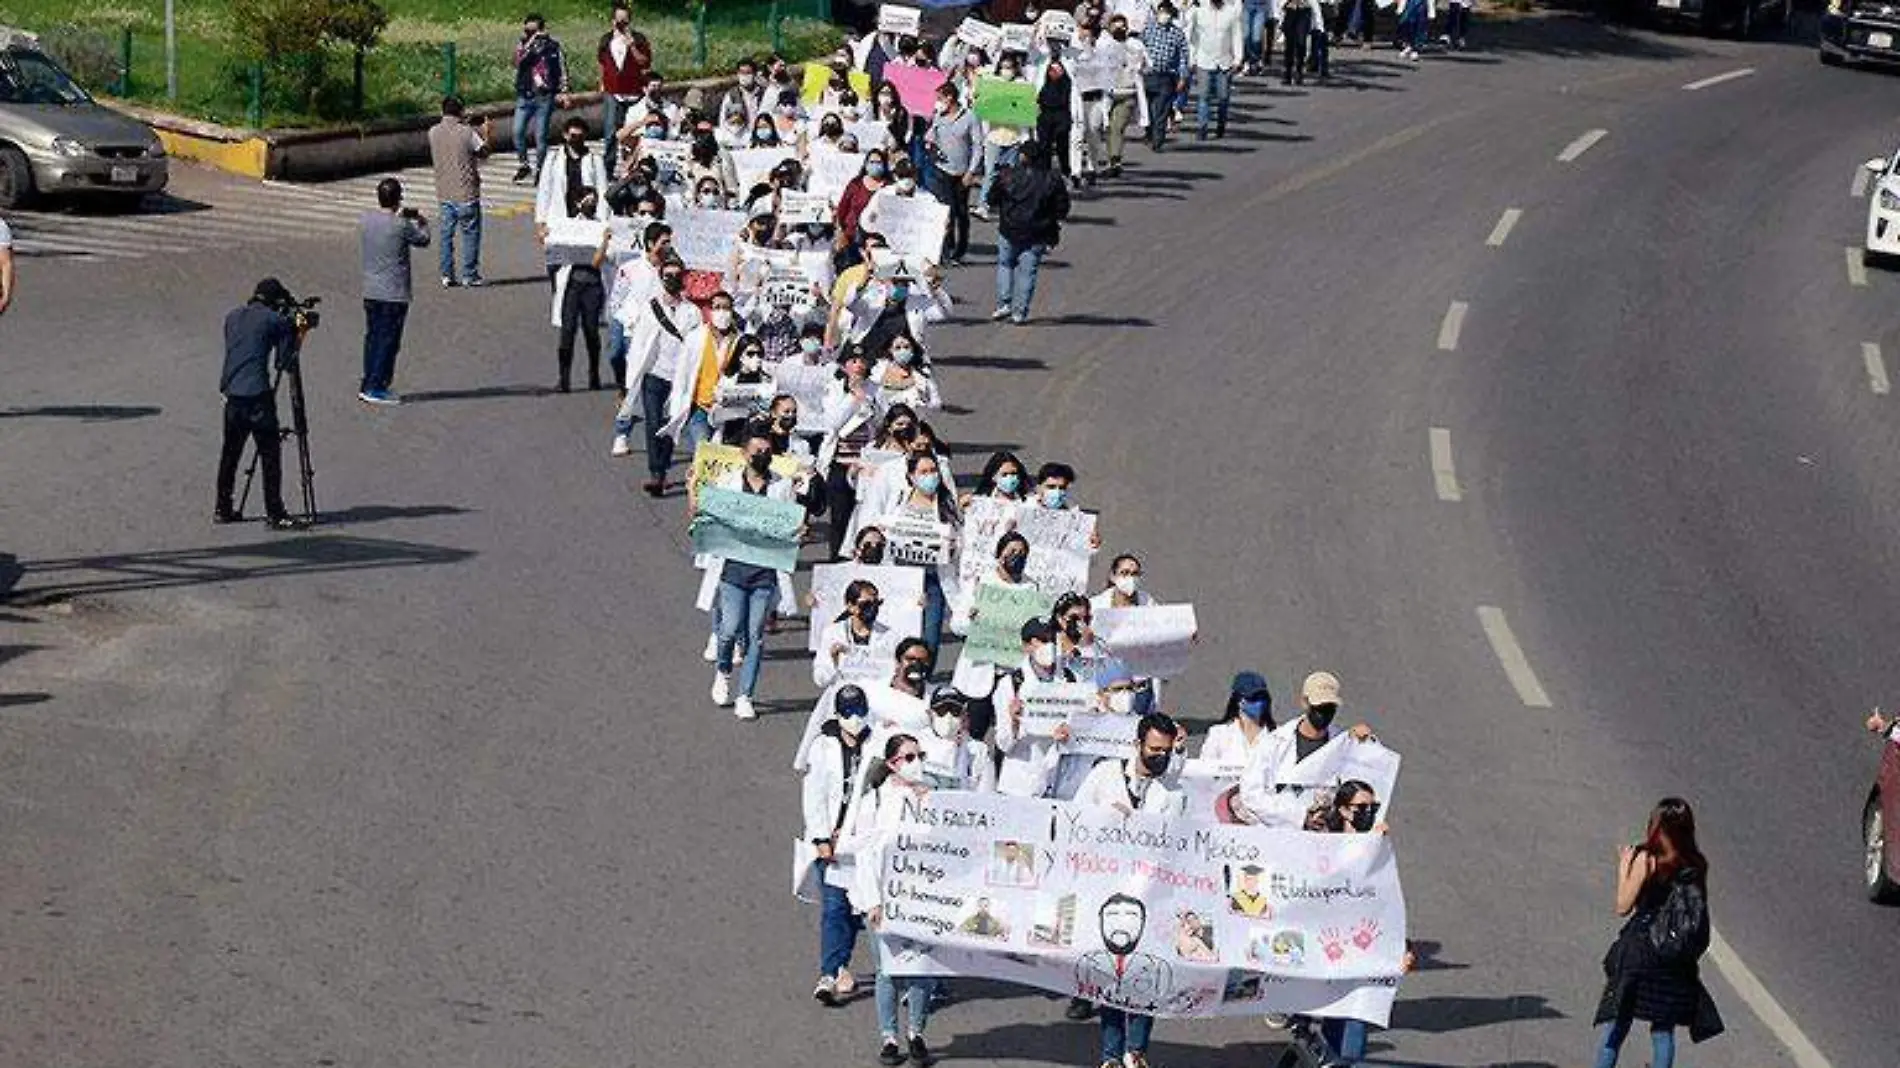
(441,785)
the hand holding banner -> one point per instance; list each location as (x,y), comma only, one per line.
(747,528)
(900,588)
(898,19)
(996,622)
(1059,548)
(916,86)
(703,237)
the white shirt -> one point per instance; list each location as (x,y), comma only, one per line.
(824,669)
(1110,785)
(651,350)
(1227,745)
(1214,36)
(1274,763)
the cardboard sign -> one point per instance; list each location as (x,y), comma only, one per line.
(916,86)
(801,209)
(703,237)
(830,171)
(1017,37)
(898,19)
(915,541)
(1152,642)
(979,34)
(1002,102)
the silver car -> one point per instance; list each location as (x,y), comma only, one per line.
(55,139)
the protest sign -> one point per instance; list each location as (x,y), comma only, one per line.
(808,384)
(753,166)
(916,86)
(1149,914)
(1058,548)
(703,237)
(573,240)
(1001,102)
(860,84)
(817,80)
(1047,705)
(898,19)
(712,462)
(1094,69)
(671,157)
(913,226)
(1343,758)
(1017,37)
(985,522)
(1152,642)
(914,540)
(737,400)
(748,528)
(1101,734)
(796,208)
(900,588)
(997,616)
(976,33)
(785,288)
(1057,26)
(832,170)
(869,132)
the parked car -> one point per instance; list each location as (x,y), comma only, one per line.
(1860,31)
(1880,872)
(1883,211)
(1742,17)
(56,140)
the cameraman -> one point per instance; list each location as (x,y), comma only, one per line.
(251,334)
(388,235)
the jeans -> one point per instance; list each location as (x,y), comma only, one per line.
(580,311)
(1346,1038)
(1160,90)
(534,113)
(468,217)
(935,607)
(617,357)
(1124,1032)
(1001,156)
(382,338)
(1016,267)
(838,927)
(843,498)
(1662,1044)
(1213,89)
(1322,46)
(651,396)
(252,419)
(1362,17)
(1456,18)
(744,610)
(1412,24)
(1256,20)
(916,992)
(612,111)
(697,431)
(953,191)
(1121,111)
(1299,26)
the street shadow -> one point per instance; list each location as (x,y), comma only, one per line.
(994,363)
(1577,36)
(1443,1015)
(1085,319)
(1210,148)
(523,280)
(1263,135)
(85,413)
(1067,1042)
(1088,220)
(19,700)
(377,513)
(981,448)
(60,579)
(482,393)
(1113,193)
(1172,175)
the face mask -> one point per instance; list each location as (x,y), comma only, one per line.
(621,26)
(868,612)
(1073,628)
(722,319)
(928,484)
(1126,585)
(900,294)
(1253,710)
(876,170)
(945,726)
(1119,35)
(1013,565)
(760,462)
(577,142)
(851,725)
(1362,819)
(1009,483)
(1009,73)
(915,675)
(973,60)
(1120,702)
(910,770)
(656,132)
(1321,716)
(903,356)
(1156,764)
(1055,496)
(872,553)
(810,346)
(750,364)
(784,423)
(1044,656)
(674,284)
(907,185)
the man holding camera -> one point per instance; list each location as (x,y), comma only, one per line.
(388,235)
(252,334)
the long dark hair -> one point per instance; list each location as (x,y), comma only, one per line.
(1671,839)
(877,776)
(986,482)
(739,346)
(852,592)
(946,501)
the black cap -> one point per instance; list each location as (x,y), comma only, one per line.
(851,701)
(948,698)
(270,291)
(1038,630)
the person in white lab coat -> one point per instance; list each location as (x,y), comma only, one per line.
(856,626)
(1246,723)
(900,774)
(1029,762)
(830,777)
(1272,790)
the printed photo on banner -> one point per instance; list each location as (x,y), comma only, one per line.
(1013,864)
(670,157)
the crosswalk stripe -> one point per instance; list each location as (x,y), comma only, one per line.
(105,244)
(29,246)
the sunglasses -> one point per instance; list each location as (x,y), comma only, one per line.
(867,604)
(906,758)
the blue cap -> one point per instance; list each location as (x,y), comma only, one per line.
(1249,683)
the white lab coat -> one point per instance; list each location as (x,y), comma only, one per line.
(891,710)
(921,394)
(550,202)
(825,789)
(1029,763)
(1272,786)
(679,403)
(824,670)
(1109,783)
(924,305)
(651,349)
(844,416)
(1227,746)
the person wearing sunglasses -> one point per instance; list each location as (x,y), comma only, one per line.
(856,627)
(836,755)
(900,775)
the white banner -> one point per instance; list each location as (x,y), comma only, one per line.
(913,226)
(1148,914)
(985,522)
(1094,69)
(832,170)
(703,237)
(1017,37)
(802,209)
(1092,732)
(1058,548)
(898,19)
(1152,642)
(900,588)
(976,33)
(753,166)
(870,133)
(573,240)
(915,541)
(809,384)
(671,156)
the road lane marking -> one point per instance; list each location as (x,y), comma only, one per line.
(1511,656)
(1876,368)
(1581,145)
(1856,268)
(1506,222)
(1719,79)
(1454,323)
(1763,1004)
(1862,177)
(1444,475)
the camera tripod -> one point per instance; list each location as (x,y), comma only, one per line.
(299,428)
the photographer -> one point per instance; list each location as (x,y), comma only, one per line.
(388,235)
(252,334)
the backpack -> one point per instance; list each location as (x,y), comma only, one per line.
(1679,931)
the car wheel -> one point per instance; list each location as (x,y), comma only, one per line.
(1873,837)
(16,178)
(1829,59)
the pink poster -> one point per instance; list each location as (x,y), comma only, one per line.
(916,86)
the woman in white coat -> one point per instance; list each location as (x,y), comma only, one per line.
(904,376)
(855,628)
(831,777)
(1244,725)
(1273,792)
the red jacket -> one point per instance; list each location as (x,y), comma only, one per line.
(630,79)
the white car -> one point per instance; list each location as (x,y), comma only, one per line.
(1883,210)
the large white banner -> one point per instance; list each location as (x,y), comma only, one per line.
(1092,731)
(1149,914)
(703,237)
(900,588)
(753,166)
(913,226)
(1058,548)
(832,170)
(1152,641)
(1211,787)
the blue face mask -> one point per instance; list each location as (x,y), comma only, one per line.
(1253,710)
(900,294)
(1055,496)
(876,170)
(928,484)
(1009,483)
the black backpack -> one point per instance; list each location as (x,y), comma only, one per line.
(1679,931)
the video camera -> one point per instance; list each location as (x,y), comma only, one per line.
(302,314)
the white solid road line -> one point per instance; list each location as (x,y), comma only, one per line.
(1506,222)
(1763,1004)
(1581,145)
(1444,475)
(1856,268)
(1876,368)
(1862,177)
(1511,656)
(1454,323)
(1719,79)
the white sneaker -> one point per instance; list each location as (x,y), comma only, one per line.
(712,648)
(1001,313)
(722,689)
(743,708)
(846,982)
(622,447)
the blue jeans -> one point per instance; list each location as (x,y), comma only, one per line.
(916,994)
(468,217)
(1412,23)
(838,927)
(1254,20)
(654,391)
(1347,1038)
(1456,17)
(1213,89)
(741,609)
(533,114)
(612,111)
(1321,43)
(1016,267)
(698,429)
(1124,1032)
(382,339)
(1360,19)
(1662,1044)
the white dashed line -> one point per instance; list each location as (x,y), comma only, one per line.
(1862,176)
(1506,222)
(1763,1004)
(1454,323)
(1444,475)
(1876,368)
(1856,268)
(1719,79)
(1581,145)
(1511,656)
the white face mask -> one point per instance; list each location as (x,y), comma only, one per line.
(945,726)
(1045,655)
(722,319)
(852,725)
(910,771)
(1126,585)
(750,364)
(1121,702)
(907,185)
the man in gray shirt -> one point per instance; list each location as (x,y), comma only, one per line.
(456,149)
(388,235)
(955,143)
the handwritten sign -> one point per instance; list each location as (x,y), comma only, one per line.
(1057,26)
(870,133)
(703,237)
(817,80)
(1058,548)
(1002,102)
(801,209)
(737,400)
(1153,642)
(997,616)
(574,240)
(747,528)
(713,462)
(913,226)
(976,33)
(810,385)
(898,19)
(916,541)
(1047,705)
(916,86)
(985,522)
(900,588)
(1017,37)
(832,170)
(753,166)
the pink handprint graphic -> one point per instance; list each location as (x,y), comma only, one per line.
(1333,943)
(1365,934)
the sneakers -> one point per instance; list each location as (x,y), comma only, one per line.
(1019,320)
(1279,1021)
(286,522)
(712,648)
(1001,313)
(743,709)
(1409,53)
(722,689)
(919,1053)
(622,447)
(223,516)
(380,397)
(826,992)
(475,281)
(891,1053)
(1079,1009)
(447,282)
(1135,1059)
(521,174)
(846,982)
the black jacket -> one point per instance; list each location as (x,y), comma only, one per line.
(1030,203)
(252,334)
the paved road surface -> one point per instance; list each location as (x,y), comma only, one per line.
(440,784)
